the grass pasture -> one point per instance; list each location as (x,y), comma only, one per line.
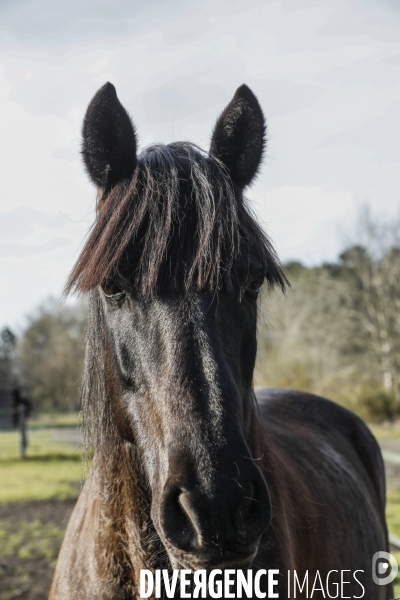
(53,466)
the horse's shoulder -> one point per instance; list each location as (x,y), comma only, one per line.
(333,423)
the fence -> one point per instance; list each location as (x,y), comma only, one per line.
(14,410)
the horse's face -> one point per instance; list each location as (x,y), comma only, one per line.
(180,361)
(182,371)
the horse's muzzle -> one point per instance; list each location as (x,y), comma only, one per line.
(220,526)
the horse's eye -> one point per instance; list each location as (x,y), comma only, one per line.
(112,291)
(255,286)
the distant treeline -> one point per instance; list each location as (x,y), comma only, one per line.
(47,357)
(336,332)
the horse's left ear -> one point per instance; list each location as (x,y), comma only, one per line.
(108,139)
(238,139)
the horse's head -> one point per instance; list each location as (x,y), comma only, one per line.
(174,265)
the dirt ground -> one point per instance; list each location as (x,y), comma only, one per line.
(33,531)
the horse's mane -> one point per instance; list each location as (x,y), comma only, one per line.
(178,220)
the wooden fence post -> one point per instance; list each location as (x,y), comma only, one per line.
(22,429)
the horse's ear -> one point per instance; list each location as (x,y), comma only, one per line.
(108,139)
(238,139)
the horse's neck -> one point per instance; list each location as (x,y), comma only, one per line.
(126,532)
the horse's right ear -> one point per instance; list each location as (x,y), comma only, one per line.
(108,139)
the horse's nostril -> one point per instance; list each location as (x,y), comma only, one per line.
(176,520)
(232,517)
(187,508)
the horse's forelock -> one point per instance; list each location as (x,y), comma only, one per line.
(178,220)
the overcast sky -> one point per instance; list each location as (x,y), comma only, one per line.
(326,72)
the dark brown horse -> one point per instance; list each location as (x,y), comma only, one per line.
(190,469)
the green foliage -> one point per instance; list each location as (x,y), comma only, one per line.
(50,356)
(376,404)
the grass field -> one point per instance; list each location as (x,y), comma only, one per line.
(50,470)
(53,467)
(37,496)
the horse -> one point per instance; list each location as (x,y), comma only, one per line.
(193,470)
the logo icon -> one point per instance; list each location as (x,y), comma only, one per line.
(384,568)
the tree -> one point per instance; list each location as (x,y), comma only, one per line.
(7,345)
(301,335)
(373,298)
(337,331)
(50,356)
